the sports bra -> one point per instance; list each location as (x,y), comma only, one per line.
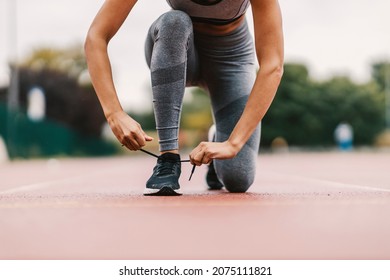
(217,12)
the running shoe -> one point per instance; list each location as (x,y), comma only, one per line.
(212,179)
(211,176)
(165,178)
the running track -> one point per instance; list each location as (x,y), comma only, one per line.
(302,206)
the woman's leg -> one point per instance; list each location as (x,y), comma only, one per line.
(237,174)
(229,71)
(171,56)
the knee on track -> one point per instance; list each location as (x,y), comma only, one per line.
(237,183)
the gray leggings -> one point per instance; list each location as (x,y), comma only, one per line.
(223,66)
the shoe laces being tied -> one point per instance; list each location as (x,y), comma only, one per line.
(165,165)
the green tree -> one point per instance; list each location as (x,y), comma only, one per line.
(70,60)
(306,112)
(196,113)
(289,109)
(359,105)
(380,72)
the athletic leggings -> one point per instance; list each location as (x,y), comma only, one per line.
(223,66)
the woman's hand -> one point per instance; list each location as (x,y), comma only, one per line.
(128,131)
(205,152)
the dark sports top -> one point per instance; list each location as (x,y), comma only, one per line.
(211,11)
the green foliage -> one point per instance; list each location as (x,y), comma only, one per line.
(146,120)
(306,112)
(197,111)
(69,60)
(381,74)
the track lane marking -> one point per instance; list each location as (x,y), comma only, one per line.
(55,183)
(334,184)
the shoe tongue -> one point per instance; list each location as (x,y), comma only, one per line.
(170,157)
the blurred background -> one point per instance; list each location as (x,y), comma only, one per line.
(335,93)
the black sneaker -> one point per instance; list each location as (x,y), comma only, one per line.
(212,179)
(165,178)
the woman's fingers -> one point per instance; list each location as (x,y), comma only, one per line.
(138,139)
(201,155)
(205,152)
(147,137)
(128,131)
(134,141)
(128,145)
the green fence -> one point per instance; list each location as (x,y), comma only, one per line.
(27,139)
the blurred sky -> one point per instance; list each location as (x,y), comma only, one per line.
(331,37)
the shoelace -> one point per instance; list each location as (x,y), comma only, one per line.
(165,167)
(184,160)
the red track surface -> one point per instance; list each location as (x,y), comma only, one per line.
(302,206)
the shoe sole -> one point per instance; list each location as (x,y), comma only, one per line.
(164,191)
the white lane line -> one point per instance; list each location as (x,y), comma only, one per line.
(54,183)
(42,185)
(334,184)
